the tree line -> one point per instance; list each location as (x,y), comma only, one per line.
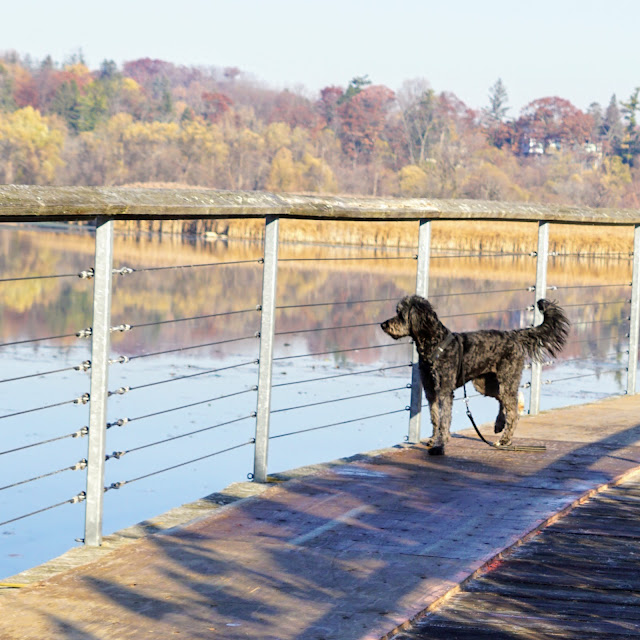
(151,121)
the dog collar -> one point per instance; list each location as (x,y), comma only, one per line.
(443,345)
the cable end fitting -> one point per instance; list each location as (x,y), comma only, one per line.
(83,399)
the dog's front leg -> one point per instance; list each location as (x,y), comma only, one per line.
(434,413)
(441,433)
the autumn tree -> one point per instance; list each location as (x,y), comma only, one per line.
(554,121)
(30,147)
(363,120)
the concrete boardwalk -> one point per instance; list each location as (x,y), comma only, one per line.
(350,552)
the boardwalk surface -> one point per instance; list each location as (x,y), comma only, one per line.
(350,552)
(578,579)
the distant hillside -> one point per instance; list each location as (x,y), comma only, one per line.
(153,121)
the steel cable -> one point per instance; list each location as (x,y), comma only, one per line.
(82,400)
(346,326)
(325,353)
(354,258)
(35,375)
(192,375)
(336,424)
(19,279)
(65,335)
(361,395)
(194,266)
(78,466)
(325,304)
(484,313)
(78,498)
(593,286)
(596,304)
(475,293)
(196,346)
(76,434)
(584,375)
(119,454)
(186,406)
(340,375)
(211,315)
(117,485)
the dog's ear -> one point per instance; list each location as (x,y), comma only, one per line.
(422,318)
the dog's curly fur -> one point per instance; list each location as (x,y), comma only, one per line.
(493,360)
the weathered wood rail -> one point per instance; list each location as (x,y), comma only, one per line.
(30,203)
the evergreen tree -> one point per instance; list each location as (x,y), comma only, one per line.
(498,99)
(630,146)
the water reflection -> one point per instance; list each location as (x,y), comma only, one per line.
(175,310)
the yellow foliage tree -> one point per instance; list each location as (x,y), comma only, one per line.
(412,181)
(30,147)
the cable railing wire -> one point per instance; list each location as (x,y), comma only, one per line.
(531,254)
(195,346)
(326,353)
(353,258)
(22,278)
(42,373)
(77,498)
(327,304)
(117,485)
(58,337)
(120,454)
(336,424)
(195,266)
(484,313)
(82,464)
(360,395)
(476,293)
(122,422)
(585,375)
(76,434)
(191,375)
(608,321)
(592,286)
(81,400)
(340,375)
(210,315)
(345,326)
(596,304)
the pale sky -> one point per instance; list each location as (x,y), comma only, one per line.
(581,50)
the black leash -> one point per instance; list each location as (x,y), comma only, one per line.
(509,447)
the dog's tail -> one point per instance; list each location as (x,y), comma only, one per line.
(548,338)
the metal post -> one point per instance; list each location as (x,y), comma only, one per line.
(540,292)
(422,289)
(267,330)
(100,346)
(634,321)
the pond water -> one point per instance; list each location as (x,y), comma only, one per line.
(195,401)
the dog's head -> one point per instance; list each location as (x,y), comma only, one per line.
(414,317)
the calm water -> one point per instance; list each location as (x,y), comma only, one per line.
(469,292)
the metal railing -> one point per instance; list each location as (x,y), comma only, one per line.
(104,206)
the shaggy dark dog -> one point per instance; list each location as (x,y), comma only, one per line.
(493,360)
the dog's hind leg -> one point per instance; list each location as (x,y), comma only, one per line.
(488,385)
(509,409)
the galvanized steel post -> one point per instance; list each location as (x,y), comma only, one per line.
(540,292)
(634,321)
(267,331)
(422,289)
(100,346)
